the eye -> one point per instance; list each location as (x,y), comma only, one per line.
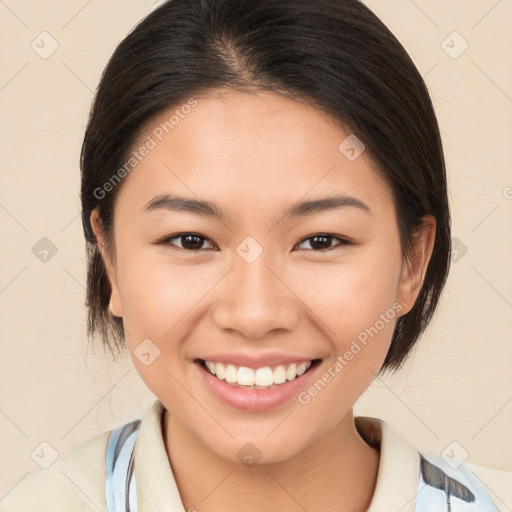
(322,242)
(189,241)
(194,242)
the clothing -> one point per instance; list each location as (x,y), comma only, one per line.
(130,465)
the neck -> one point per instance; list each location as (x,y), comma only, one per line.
(337,473)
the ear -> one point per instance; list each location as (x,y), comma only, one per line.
(413,271)
(116,305)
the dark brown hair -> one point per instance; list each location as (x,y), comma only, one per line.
(335,55)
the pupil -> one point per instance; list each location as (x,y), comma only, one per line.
(192,245)
(324,242)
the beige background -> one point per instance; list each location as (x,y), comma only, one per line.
(456,388)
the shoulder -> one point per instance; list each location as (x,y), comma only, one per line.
(75,481)
(448,483)
(439,484)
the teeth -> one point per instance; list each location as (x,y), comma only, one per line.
(258,379)
(291,372)
(231,373)
(220,371)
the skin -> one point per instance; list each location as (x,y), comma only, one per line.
(263,153)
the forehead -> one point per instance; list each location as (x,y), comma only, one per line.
(252,149)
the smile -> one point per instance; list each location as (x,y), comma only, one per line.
(260,378)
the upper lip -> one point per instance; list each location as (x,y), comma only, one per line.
(256,361)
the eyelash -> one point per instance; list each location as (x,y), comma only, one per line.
(343,242)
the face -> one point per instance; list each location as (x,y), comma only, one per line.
(261,275)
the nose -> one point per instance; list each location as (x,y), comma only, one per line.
(255,300)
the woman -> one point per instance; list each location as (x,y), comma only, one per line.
(265,207)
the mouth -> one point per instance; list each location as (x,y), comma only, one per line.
(260,378)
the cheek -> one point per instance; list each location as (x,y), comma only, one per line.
(159,304)
(355,306)
(159,298)
(354,302)
(350,296)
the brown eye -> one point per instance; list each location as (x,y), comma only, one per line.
(323,241)
(189,241)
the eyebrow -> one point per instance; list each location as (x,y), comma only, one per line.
(207,208)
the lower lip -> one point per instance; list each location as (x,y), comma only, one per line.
(255,400)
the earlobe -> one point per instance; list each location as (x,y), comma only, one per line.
(115,305)
(413,271)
